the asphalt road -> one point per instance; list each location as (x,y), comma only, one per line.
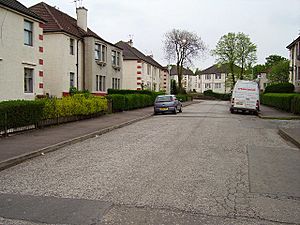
(202,166)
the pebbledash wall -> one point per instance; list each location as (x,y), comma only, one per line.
(15,56)
(60,63)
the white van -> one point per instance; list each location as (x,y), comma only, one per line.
(245,97)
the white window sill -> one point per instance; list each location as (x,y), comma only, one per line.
(29,63)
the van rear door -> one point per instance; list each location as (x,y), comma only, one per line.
(246,95)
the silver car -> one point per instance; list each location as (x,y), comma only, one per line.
(167,103)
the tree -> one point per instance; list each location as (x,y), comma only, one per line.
(183,47)
(235,50)
(279,72)
(272,60)
(174,88)
(258,69)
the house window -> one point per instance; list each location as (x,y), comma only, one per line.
(71,46)
(207,77)
(115,83)
(217,85)
(208,86)
(28,80)
(218,76)
(100,83)
(115,58)
(100,52)
(28,28)
(72,80)
(148,69)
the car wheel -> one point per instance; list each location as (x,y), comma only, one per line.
(175,111)
(180,110)
(232,111)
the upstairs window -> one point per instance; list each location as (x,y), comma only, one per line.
(71,46)
(100,52)
(207,77)
(218,76)
(28,29)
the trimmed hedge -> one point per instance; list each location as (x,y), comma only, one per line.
(280,88)
(224,97)
(295,107)
(130,101)
(184,98)
(278,100)
(76,105)
(20,113)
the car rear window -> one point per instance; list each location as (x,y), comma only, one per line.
(164,99)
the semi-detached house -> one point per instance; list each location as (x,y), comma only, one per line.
(75,56)
(21,52)
(294,48)
(141,71)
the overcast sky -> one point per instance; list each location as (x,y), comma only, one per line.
(271,24)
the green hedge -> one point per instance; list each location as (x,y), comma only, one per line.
(280,88)
(295,107)
(278,100)
(224,97)
(20,113)
(184,98)
(76,105)
(130,101)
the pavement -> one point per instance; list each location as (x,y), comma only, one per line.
(23,146)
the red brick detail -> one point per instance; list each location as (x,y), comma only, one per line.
(41,49)
(41,37)
(41,62)
(165,83)
(65,94)
(41,85)
(139,72)
(165,86)
(165,78)
(138,83)
(139,89)
(41,73)
(41,25)
(139,67)
(138,78)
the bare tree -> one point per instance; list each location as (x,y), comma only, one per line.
(183,47)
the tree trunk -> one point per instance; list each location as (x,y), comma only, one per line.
(179,73)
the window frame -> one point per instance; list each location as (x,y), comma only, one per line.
(28,81)
(28,32)
(100,83)
(72,46)
(72,74)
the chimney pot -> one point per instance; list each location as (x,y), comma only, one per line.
(82,18)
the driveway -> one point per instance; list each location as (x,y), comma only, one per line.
(202,166)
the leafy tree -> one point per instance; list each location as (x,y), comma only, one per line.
(279,72)
(174,88)
(272,60)
(235,49)
(258,69)
(183,47)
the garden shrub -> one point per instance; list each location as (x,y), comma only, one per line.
(278,100)
(221,96)
(295,107)
(280,88)
(20,113)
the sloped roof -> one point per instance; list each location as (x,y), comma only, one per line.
(217,69)
(17,6)
(58,21)
(131,53)
(185,71)
(293,43)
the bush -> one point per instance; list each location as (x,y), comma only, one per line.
(20,113)
(76,105)
(221,96)
(279,101)
(184,98)
(130,101)
(118,102)
(295,107)
(280,88)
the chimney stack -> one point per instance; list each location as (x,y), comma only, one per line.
(130,42)
(82,18)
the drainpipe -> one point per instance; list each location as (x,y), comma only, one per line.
(83,65)
(77,67)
